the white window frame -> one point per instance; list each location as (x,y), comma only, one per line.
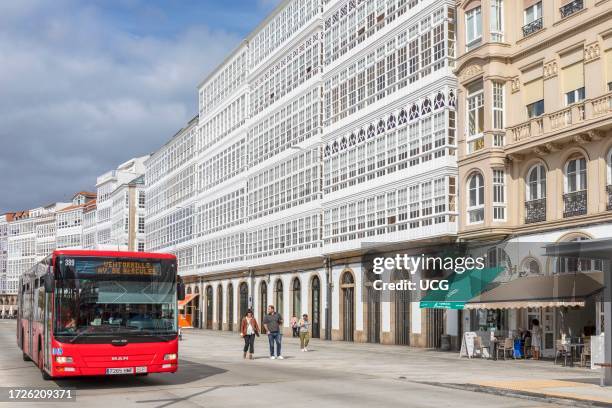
(536,15)
(540,181)
(479,204)
(477,100)
(475,15)
(499,195)
(497,24)
(576,94)
(498,104)
(577,174)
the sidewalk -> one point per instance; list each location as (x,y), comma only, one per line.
(536,380)
(566,392)
(575,390)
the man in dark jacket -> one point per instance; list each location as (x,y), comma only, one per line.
(273,322)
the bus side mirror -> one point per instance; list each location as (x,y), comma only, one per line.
(180,290)
(49,282)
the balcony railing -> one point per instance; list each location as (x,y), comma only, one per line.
(564,118)
(535,25)
(609,190)
(575,203)
(535,211)
(571,8)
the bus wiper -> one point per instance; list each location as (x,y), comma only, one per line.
(153,334)
(79,334)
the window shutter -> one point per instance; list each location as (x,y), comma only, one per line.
(534,91)
(529,3)
(573,77)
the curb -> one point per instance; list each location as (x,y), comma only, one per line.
(533,396)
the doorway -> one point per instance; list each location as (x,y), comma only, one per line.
(244,299)
(196,308)
(296,298)
(315,301)
(230,307)
(219,307)
(372,310)
(209,307)
(402,317)
(348,306)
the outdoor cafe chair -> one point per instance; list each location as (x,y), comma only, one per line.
(507,346)
(480,347)
(561,351)
(586,352)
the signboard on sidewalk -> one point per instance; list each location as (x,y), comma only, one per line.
(467,345)
(597,351)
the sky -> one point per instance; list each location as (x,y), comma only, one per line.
(86,85)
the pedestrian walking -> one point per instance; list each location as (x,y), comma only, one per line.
(304,326)
(294,326)
(536,338)
(248,330)
(273,322)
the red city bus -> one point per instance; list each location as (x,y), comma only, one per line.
(84,313)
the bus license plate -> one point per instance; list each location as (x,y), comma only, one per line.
(115,371)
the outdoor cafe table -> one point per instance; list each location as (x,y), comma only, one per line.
(575,351)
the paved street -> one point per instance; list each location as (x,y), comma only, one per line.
(212,373)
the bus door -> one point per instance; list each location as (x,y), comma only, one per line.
(31,318)
(47,321)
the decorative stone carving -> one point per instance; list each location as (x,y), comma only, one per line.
(515,157)
(582,138)
(594,135)
(540,150)
(515,84)
(470,71)
(591,52)
(550,69)
(553,147)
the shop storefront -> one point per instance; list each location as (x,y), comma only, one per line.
(565,305)
(187,312)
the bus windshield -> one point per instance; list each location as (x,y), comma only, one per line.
(118,297)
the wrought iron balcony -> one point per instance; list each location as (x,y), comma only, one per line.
(535,25)
(571,8)
(575,203)
(609,190)
(535,211)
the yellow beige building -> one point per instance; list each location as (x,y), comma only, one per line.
(535,147)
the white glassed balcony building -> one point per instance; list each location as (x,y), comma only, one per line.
(330,127)
(119,214)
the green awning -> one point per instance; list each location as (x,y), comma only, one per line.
(461,288)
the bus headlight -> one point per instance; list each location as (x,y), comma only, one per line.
(170,356)
(63,360)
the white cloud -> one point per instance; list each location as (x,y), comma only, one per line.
(80,95)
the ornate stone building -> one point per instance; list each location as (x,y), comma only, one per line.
(534,132)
